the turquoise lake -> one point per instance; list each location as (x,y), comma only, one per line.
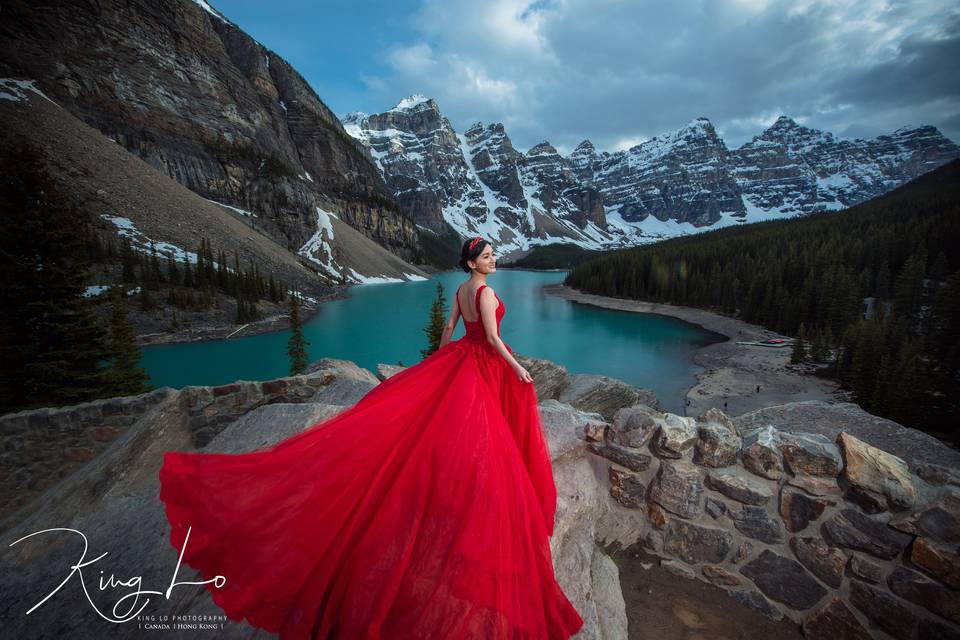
(383,323)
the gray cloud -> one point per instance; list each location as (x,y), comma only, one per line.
(619,72)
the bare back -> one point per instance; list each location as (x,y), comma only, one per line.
(466,299)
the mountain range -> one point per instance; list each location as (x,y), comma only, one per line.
(222,135)
(679,182)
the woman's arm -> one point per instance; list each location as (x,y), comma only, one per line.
(451,325)
(488,312)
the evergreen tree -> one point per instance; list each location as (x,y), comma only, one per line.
(799,353)
(297,345)
(909,287)
(941,267)
(129,261)
(435,324)
(147,301)
(188,280)
(817,347)
(51,343)
(201,272)
(173,274)
(223,278)
(125,374)
(272,288)
(155,276)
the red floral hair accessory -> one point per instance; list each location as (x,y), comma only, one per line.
(474,242)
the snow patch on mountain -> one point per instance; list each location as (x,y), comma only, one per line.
(242,212)
(318,249)
(15,90)
(411,102)
(139,241)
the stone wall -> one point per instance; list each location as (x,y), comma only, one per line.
(43,446)
(837,535)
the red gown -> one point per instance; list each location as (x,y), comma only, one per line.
(423,511)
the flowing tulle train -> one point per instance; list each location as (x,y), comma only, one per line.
(423,511)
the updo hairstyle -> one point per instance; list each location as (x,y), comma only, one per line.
(466,253)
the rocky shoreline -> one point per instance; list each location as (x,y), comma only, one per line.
(211,330)
(737,378)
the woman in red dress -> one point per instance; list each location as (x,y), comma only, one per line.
(423,511)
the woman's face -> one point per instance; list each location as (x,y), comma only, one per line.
(486,262)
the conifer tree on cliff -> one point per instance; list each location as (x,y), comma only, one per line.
(297,345)
(51,343)
(434,328)
(126,376)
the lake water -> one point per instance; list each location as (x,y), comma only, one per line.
(383,323)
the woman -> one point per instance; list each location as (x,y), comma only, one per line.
(423,511)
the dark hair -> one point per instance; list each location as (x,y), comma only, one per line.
(466,253)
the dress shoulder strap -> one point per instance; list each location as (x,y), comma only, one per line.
(477,301)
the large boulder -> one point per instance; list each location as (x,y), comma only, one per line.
(549,378)
(830,419)
(604,395)
(877,480)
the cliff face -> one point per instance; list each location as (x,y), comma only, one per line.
(425,170)
(680,176)
(179,85)
(477,182)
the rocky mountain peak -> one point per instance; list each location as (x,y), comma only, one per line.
(919,132)
(474,129)
(216,14)
(698,128)
(416,113)
(354,117)
(494,139)
(416,102)
(789,132)
(585,147)
(783,123)
(698,137)
(542,149)
(701,122)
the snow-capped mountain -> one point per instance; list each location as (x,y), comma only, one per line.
(793,169)
(681,176)
(477,182)
(680,182)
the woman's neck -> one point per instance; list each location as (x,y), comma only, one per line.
(479,278)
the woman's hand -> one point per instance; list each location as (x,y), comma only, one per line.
(523,374)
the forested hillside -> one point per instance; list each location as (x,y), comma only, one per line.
(555,256)
(874,291)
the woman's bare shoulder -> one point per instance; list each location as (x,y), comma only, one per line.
(488,293)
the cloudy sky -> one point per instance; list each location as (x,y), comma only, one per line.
(622,71)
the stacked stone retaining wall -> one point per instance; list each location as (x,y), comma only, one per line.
(839,536)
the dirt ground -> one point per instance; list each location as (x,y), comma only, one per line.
(664,606)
